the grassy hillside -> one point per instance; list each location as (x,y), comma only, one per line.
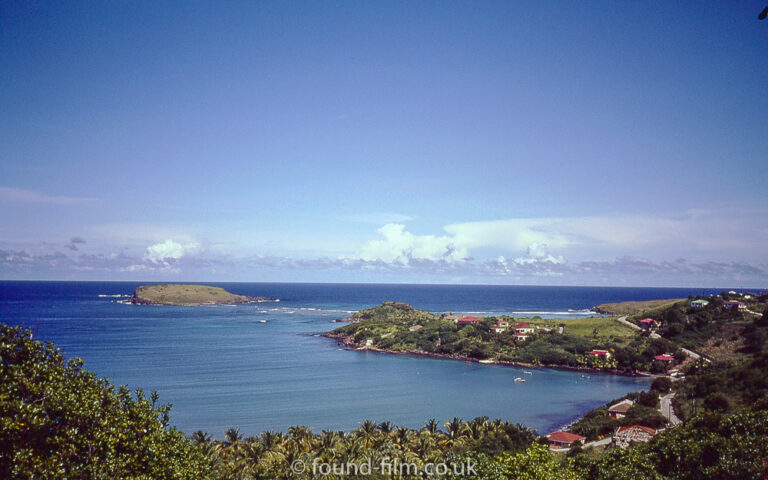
(632,308)
(186,295)
(398,327)
(596,327)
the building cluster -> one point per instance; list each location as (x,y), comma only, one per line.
(522,330)
(622,436)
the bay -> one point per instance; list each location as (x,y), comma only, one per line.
(262,366)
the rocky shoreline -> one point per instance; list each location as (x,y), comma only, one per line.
(348,342)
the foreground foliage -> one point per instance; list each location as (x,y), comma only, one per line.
(58,421)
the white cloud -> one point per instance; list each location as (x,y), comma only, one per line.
(169,250)
(401,246)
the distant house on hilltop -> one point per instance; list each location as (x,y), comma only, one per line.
(666,357)
(524,328)
(633,434)
(519,337)
(600,353)
(647,323)
(699,303)
(619,410)
(469,319)
(562,440)
(414,328)
(739,306)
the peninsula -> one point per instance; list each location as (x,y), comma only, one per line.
(190,295)
(596,343)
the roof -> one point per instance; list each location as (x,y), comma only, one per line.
(564,437)
(647,321)
(522,325)
(649,430)
(518,334)
(620,407)
(470,319)
(599,352)
(704,302)
(664,358)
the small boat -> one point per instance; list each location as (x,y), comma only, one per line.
(519,379)
(468,361)
(487,361)
(262,321)
(526,372)
(584,376)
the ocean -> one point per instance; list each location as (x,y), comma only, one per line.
(263,366)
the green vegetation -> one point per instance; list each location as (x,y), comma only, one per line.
(188,295)
(58,421)
(633,308)
(597,424)
(398,327)
(595,327)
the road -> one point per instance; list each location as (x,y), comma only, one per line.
(667,410)
(623,321)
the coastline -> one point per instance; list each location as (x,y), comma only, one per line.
(344,341)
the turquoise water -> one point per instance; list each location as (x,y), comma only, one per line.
(222,367)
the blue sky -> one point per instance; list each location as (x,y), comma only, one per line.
(587,143)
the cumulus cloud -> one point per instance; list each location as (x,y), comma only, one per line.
(398,245)
(169,250)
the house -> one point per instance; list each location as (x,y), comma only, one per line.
(469,319)
(647,323)
(666,357)
(524,328)
(619,410)
(415,328)
(601,353)
(562,440)
(632,433)
(699,303)
(739,306)
(501,326)
(519,337)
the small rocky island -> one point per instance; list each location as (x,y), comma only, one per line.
(190,295)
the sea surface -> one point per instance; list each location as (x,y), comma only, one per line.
(263,366)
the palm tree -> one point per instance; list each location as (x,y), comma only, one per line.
(431,426)
(367,432)
(200,437)
(456,428)
(386,427)
(232,438)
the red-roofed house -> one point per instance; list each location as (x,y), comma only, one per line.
(648,323)
(601,353)
(469,319)
(633,433)
(499,328)
(667,357)
(524,328)
(619,410)
(519,337)
(559,440)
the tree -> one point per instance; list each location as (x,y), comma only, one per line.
(661,384)
(59,421)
